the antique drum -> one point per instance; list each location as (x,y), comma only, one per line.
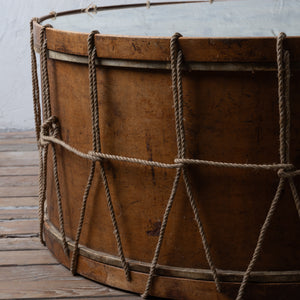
(170,161)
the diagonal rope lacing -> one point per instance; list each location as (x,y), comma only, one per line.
(48,133)
(97,148)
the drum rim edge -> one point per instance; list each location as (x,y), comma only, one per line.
(195,49)
(178,272)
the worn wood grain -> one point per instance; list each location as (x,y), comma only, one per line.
(18,191)
(17,135)
(18,141)
(9,244)
(18,228)
(27,268)
(12,181)
(48,281)
(17,158)
(18,201)
(26,257)
(17,147)
(13,213)
(19,171)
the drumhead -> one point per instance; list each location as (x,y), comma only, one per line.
(223,18)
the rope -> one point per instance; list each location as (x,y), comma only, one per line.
(50,126)
(283,64)
(176,69)
(284,170)
(97,147)
(161,234)
(35,85)
(48,133)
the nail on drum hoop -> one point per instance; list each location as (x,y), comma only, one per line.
(221,112)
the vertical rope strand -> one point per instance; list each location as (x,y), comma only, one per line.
(50,129)
(59,201)
(261,239)
(284,135)
(180,126)
(173,55)
(179,62)
(201,230)
(43,148)
(42,191)
(281,98)
(286,58)
(35,85)
(287,109)
(37,118)
(97,146)
(74,260)
(161,234)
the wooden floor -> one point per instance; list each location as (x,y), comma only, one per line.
(27,269)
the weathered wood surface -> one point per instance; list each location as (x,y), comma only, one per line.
(17,244)
(13,228)
(50,282)
(27,268)
(17,147)
(18,191)
(18,201)
(17,213)
(9,171)
(19,158)
(13,181)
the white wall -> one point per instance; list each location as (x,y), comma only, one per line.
(15,75)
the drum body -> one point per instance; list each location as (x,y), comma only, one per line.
(230,94)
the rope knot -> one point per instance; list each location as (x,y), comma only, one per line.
(180,161)
(53,14)
(91,8)
(50,127)
(288,172)
(94,157)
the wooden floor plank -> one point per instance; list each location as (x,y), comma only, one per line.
(26,257)
(9,244)
(12,213)
(27,269)
(17,147)
(19,201)
(48,281)
(11,181)
(19,171)
(15,158)
(17,134)
(18,228)
(18,191)
(18,141)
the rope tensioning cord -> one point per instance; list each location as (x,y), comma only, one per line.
(48,133)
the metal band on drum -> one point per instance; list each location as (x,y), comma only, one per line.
(190,273)
(188,66)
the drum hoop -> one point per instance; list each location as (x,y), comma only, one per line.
(162,65)
(179,272)
(116,7)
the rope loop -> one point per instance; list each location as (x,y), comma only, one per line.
(91,8)
(53,14)
(288,173)
(49,128)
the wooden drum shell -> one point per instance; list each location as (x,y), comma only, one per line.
(229,116)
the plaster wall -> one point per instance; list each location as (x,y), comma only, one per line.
(16,112)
